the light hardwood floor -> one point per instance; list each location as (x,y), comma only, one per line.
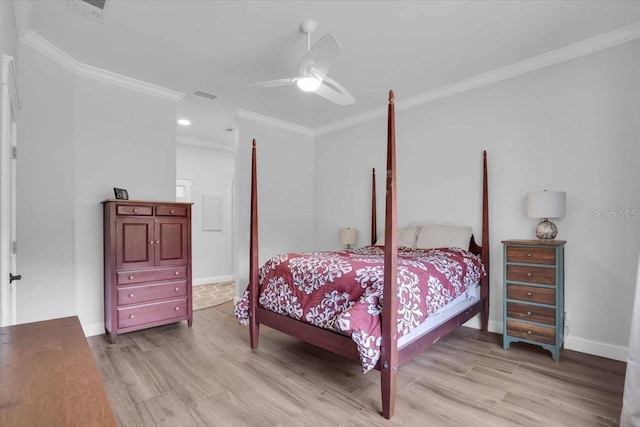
(208,376)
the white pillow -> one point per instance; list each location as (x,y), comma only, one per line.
(406,237)
(431,236)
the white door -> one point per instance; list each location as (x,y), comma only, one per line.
(8,238)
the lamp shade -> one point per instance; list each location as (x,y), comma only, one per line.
(348,236)
(546,204)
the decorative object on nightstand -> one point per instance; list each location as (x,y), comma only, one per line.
(546,204)
(348,237)
(534,293)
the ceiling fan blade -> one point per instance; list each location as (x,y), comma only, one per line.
(321,55)
(274,83)
(334,92)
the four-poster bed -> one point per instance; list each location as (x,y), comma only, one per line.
(408,275)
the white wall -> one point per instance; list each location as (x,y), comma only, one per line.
(285,193)
(572,126)
(124,139)
(8,32)
(78,139)
(211,171)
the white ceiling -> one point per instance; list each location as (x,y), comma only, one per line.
(412,47)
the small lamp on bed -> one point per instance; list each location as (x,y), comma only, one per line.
(546,204)
(348,236)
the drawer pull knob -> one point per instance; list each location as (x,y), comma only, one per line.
(176,273)
(528,274)
(171,211)
(529,254)
(135,210)
(132,316)
(151,242)
(529,294)
(131,295)
(157,242)
(176,289)
(528,332)
(528,313)
(131,277)
(177,308)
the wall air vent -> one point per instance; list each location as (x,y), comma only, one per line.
(93,9)
(204,95)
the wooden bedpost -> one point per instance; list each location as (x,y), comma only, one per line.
(484,315)
(374,225)
(254,326)
(389,329)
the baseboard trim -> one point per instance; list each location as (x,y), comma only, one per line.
(93,329)
(216,279)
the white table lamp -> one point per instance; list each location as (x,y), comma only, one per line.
(546,204)
(348,236)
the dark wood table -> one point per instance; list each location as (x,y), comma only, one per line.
(48,377)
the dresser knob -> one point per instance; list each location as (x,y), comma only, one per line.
(528,332)
(157,242)
(528,274)
(132,316)
(177,308)
(131,277)
(131,295)
(529,294)
(176,273)
(528,313)
(151,242)
(176,289)
(171,211)
(529,254)
(135,210)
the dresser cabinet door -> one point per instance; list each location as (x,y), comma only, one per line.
(171,241)
(134,237)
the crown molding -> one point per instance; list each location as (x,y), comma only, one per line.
(553,57)
(51,51)
(188,140)
(277,123)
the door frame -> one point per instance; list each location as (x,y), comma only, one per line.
(10,105)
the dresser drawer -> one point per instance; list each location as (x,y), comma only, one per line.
(144,293)
(532,313)
(171,210)
(532,294)
(153,312)
(525,273)
(527,331)
(531,255)
(134,210)
(130,277)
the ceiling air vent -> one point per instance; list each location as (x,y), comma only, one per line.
(204,95)
(93,9)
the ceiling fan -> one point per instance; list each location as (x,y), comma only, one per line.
(313,69)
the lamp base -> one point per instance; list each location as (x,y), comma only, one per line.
(546,230)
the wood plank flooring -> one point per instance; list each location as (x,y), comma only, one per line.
(209,376)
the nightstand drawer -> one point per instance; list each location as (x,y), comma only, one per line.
(533,313)
(527,331)
(532,294)
(525,273)
(531,255)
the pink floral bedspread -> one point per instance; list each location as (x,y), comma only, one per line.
(342,291)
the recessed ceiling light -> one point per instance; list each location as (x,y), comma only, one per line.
(184,122)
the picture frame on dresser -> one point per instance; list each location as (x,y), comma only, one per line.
(533,297)
(121,193)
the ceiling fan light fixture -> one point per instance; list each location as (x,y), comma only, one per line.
(308,84)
